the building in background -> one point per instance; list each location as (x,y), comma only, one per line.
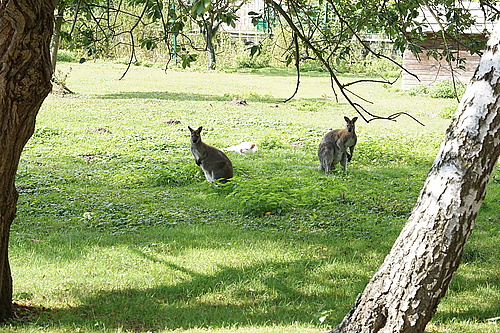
(429,70)
(245,29)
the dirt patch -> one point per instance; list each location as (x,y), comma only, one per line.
(100,130)
(172,122)
(88,158)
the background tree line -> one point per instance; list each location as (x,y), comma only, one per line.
(175,32)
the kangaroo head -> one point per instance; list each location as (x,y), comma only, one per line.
(350,124)
(195,134)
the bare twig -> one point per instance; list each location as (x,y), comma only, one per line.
(370,81)
(132,40)
(297,66)
(369,49)
(334,81)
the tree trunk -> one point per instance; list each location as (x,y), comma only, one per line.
(208,34)
(56,37)
(25,73)
(404,294)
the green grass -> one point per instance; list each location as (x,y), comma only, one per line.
(118,231)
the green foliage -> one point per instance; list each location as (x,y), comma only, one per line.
(46,132)
(66,56)
(178,173)
(187,59)
(236,54)
(271,142)
(419,90)
(442,89)
(370,65)
(261,197)
(95,42)
(199,7)
(446,89)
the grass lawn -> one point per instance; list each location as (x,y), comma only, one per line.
(118,231)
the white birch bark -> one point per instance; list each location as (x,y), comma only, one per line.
(404,294)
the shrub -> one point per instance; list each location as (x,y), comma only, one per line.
(264,196)
(66,56)
(241,56)
(179,173)
(418,90)
(445,89)
(281,195)
(371,66)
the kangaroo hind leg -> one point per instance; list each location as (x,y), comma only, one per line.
(343,161)
(326,158)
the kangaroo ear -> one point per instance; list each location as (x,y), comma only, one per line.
(200,128)
(346,119)
(190,129)
(354,119)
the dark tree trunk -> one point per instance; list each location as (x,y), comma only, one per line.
(404,294)
(25,73)
(209,33)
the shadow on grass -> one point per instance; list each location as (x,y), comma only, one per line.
(477,314)
(258,295)
(264,294)
(176,96)
(229,298)
(268,291)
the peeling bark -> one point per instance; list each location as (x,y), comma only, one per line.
(404,294)
(25,73)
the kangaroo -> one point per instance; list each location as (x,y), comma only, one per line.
(333,147)
(214,163)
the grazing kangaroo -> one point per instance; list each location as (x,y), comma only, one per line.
(214,163)
(333,147)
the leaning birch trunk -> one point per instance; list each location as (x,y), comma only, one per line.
(404,294)
(25,73)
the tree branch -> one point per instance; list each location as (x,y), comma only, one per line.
(334,81)
(297,66)
(132,40)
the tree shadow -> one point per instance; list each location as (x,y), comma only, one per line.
(178,96)
(269,291)
(257,295)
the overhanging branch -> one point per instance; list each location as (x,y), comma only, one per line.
(334,80)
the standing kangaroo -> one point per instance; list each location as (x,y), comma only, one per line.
(214,163)
(333,147)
